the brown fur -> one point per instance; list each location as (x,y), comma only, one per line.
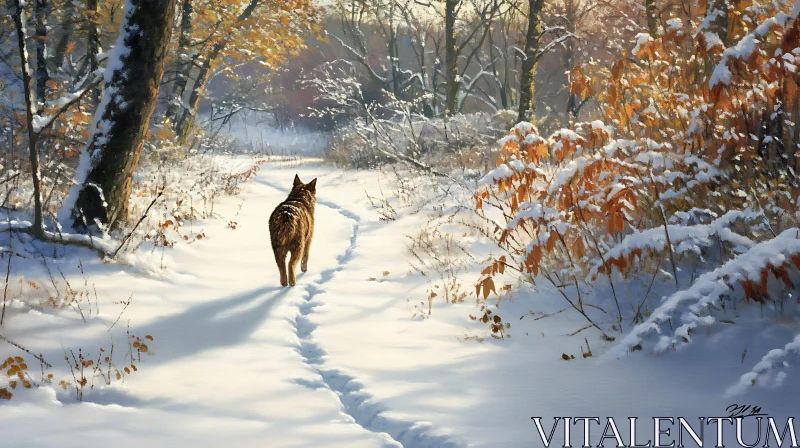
(291,227)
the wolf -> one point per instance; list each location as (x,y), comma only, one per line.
(291,227)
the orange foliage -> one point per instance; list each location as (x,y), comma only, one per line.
(685,124)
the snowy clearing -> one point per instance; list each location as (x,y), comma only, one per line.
(338,361)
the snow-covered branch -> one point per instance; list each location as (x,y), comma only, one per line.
(768,371)
(709,289)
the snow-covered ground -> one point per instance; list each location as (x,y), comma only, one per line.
(338,360)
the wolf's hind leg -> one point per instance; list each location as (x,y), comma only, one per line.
(280,258)
(306,250)
(295,257)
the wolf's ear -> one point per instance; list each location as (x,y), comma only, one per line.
(312,186)
(297,181)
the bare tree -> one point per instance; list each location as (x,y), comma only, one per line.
(185,121)
(38,120)
(477,24)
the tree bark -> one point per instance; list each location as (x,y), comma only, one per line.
(184,66)
(527,96)
(18,13)
(93,45)
(128,103)
(451,51)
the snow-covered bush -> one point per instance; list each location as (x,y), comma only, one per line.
(687,179)
(376,131)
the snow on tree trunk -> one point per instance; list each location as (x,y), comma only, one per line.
(132,79)
(17,11)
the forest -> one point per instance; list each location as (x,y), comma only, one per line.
(555,192)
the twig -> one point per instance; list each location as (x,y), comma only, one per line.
(8,271)
(9,179)
(38,357)
(128,302)
(5,289)
(125,240)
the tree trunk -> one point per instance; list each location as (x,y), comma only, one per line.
(186,121)
(93,46)
(652,20)
(42,75)
(68,32)
(184,66)
(451,53)
(17,11)
(720,23)
(128,103)
(393,49)
(184,124)
(527,87)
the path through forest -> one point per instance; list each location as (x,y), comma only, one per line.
(338,360)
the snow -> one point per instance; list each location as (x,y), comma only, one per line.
(338,361)
(674,24)
(746,46)
(501,172)
(708,290)
(641,39)
(40,121)
(771,361)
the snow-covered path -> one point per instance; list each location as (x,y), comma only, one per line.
(235,357)
(337,360)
